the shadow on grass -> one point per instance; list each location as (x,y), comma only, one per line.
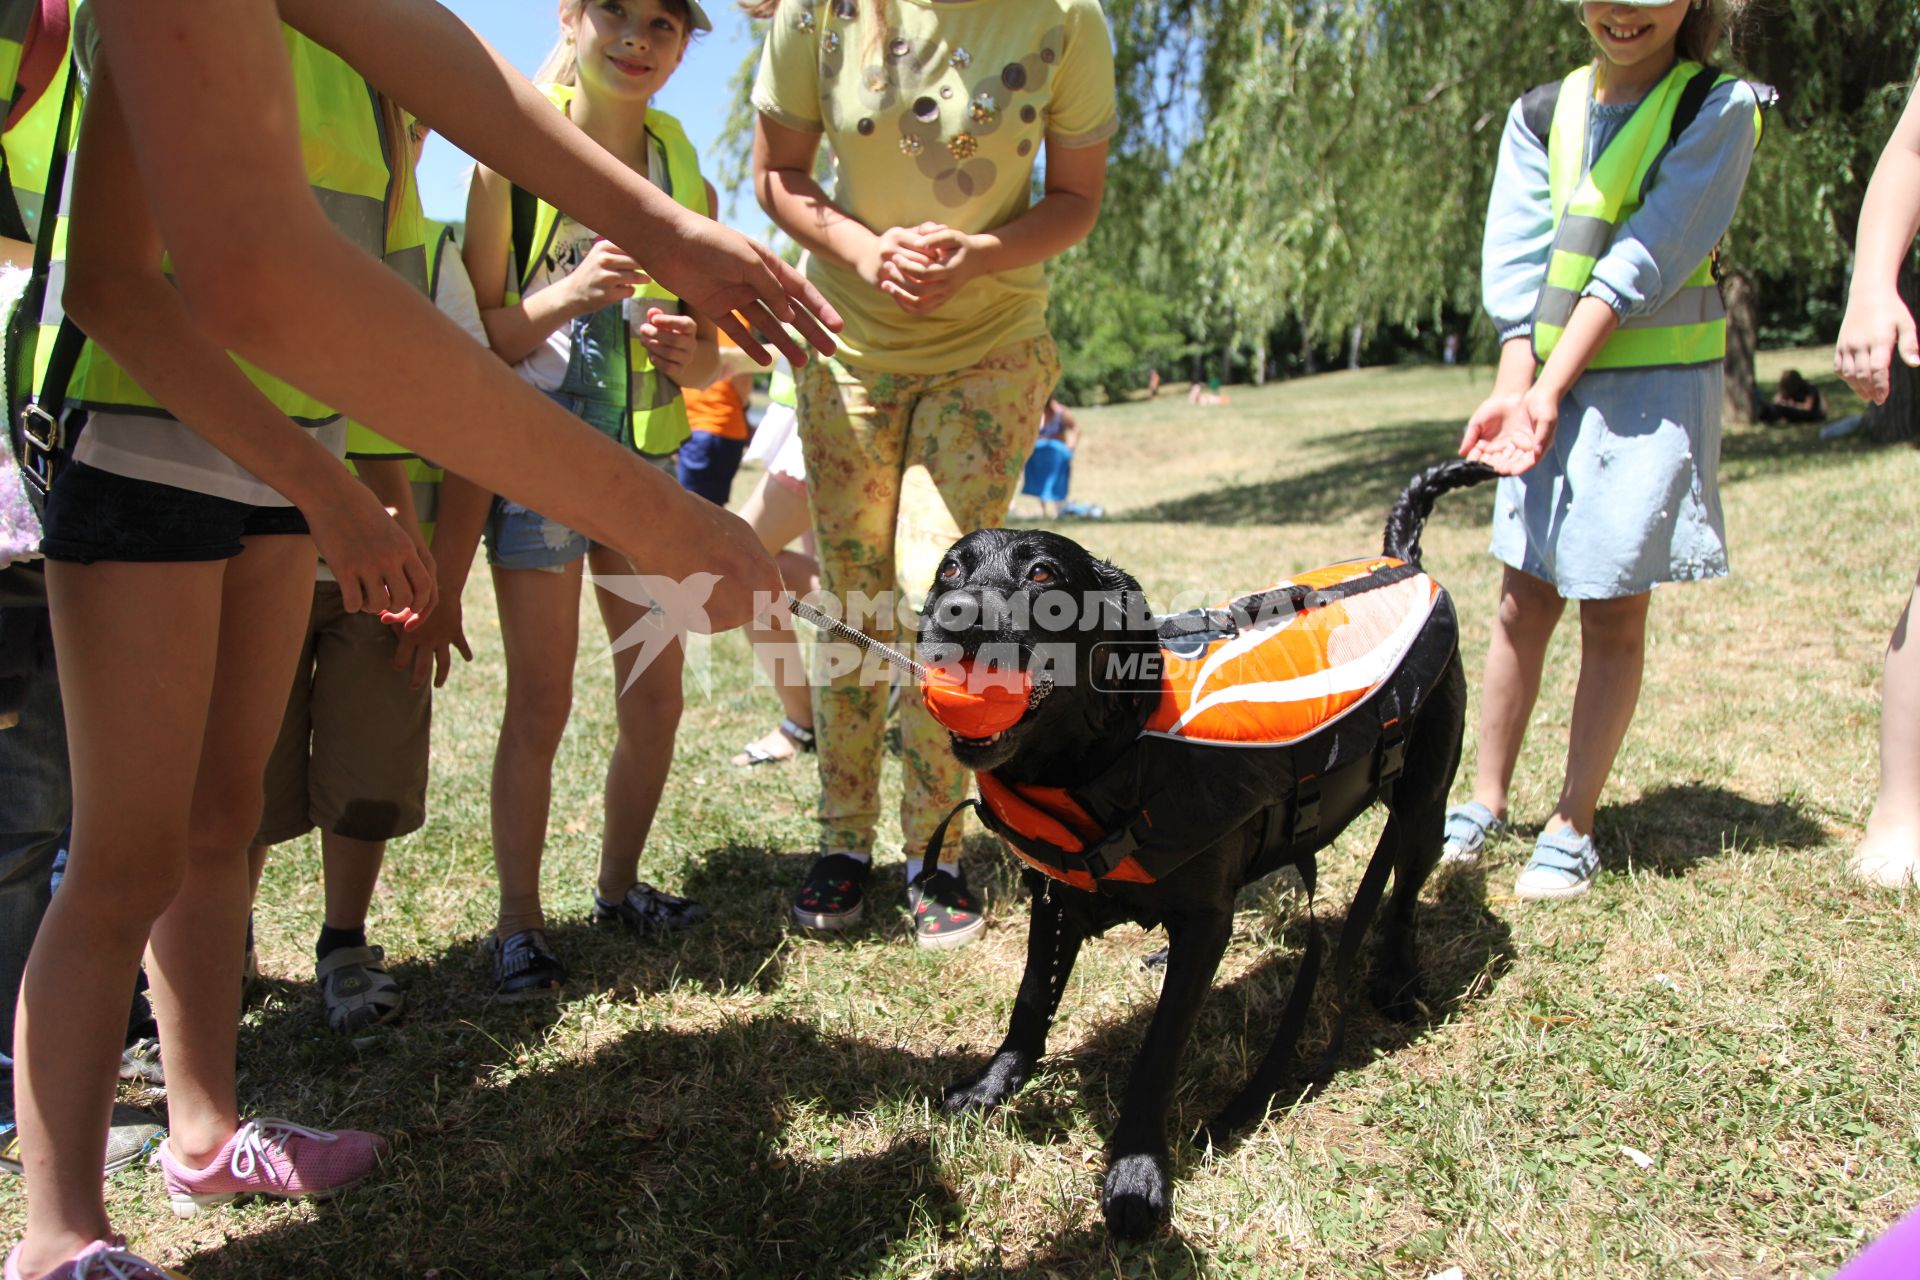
(667,1152)
(1674,829)
(715,1150)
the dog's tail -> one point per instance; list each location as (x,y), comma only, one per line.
(1411,508)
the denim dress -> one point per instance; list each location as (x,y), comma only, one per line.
(1627,496)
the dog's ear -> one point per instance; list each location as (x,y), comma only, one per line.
(1123,606)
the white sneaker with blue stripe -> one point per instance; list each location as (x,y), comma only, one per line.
(1562,866)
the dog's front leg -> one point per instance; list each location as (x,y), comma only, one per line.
(1139,1186)
(1053,943)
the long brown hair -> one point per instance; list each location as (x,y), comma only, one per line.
(1701,29)
(398,145)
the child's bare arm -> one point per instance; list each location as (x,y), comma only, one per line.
(429,61)
(1877,322)
(115,291)
(264,273)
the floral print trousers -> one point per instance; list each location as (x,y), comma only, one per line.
(898,467)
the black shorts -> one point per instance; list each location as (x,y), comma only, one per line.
(102,515)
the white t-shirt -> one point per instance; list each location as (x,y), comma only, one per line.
(150,447)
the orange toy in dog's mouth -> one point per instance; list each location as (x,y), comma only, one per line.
(977,704)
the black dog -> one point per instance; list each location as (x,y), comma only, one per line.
(1079,735)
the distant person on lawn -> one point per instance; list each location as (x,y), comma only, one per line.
(1797,400)
(1877,325)
(1049,470)
(1596,276)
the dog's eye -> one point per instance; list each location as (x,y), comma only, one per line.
(1042,573)
(949,570)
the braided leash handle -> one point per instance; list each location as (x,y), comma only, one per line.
(841,631)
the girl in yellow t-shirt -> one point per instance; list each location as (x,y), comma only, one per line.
(932,250)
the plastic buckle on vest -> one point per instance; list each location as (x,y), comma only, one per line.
(42,438)
(1112,851)
(1306,808)
(1393,751)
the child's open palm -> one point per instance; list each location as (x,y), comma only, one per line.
(1508,433)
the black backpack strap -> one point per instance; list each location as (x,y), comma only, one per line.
(34,427)
(1537,106)
(526,212)
(1691,98)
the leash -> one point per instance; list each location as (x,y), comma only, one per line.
(900,661)
(853,635)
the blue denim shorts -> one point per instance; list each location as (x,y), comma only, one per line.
(102,515)
(521,538)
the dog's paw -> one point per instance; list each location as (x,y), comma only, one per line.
(1136,1195)
(1399,994)
(990,1087)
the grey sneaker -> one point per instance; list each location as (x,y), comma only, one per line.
(140,1063)
(133,1134)
(357,990)
(646,910)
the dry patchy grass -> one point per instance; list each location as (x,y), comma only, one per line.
(746,1101)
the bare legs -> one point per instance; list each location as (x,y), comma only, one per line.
(779,515)
(1613,636)
(1890,853)
(540,627)
(175,685)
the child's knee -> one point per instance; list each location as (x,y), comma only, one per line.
(536,714)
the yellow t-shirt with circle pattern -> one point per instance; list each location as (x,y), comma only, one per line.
(935,110)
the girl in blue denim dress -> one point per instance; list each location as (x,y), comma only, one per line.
(568,319)
(1605,415)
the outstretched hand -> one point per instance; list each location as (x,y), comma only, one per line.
(747,290)
(1877,324)
(1510,431)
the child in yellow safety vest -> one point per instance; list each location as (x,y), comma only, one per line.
(575,315)
(1613,186)
(351,758)
(1877,325)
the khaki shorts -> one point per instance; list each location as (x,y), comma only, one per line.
(352,754)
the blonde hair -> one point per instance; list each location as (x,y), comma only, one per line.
(398,145)
(561,66)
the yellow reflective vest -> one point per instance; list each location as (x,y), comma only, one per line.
(1689,328)
(27,153)
(348,170)
(657,416)
(363,442)
(28,146)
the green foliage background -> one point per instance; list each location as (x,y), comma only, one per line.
(1288,169)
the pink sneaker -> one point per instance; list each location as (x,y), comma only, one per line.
(272,1158)
(101,1260)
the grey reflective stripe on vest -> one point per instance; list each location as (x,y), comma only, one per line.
(411,265)
(665,389)
(426,500)
(1583,234)
(28,203)
(1694,304)
(362,219)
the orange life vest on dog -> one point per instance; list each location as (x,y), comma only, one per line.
(1288,671)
